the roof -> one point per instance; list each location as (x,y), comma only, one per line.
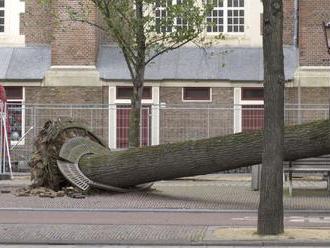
(192,63)
(188,63)
(24,63)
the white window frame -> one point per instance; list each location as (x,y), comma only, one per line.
(114,102)
(22,100)
(161,10)
(183,100)
(238,103)
(175,24)
(11,36)
(4,16)
(225,10)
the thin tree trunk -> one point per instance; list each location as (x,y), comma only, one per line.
(138,80)
(270,213)
(135,117)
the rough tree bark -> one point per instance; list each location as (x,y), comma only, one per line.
(270,212)
(169,161)
(135,115)
(138,79)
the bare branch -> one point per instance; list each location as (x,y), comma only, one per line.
(169,48)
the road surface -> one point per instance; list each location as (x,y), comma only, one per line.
(155,217)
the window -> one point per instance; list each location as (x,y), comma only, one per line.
(227,16)
(15,112)
(165,24)
(125,92)
(2,16)
(181,22)
(197,94)
(161,16)
(253,94)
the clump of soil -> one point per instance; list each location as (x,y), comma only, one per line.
(49,193)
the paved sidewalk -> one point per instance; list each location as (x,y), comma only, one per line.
(219,191)
(143,235)
(211,192)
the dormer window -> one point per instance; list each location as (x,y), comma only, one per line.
(227,16)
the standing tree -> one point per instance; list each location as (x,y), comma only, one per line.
(144,29)
(270,214)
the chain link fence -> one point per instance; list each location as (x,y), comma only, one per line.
(173,123)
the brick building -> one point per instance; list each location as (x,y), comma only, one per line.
(42,63)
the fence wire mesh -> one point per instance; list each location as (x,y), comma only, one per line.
(174,122)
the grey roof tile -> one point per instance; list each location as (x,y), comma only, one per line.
(25,63)
(5,56)
(191,63)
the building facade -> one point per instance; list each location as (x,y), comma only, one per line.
(44,63)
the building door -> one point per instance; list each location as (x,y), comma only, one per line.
(123,126)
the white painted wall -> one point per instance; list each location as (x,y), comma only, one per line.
(11,36)
(252,36)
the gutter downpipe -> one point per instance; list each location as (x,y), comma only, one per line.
(295,43)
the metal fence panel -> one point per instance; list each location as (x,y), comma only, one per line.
(176,122)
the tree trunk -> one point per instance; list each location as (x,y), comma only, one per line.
(135,118)
(169,161)
(270,213)
(138,80)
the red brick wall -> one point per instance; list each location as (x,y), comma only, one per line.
(94,117)
(190,120)
(74,43)
(36,23)
(313,50)
(66,95)
(288,22)
(173,95)
(291,95)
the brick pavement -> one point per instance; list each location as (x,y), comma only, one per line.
(132,235)
(100,233)
(206,192)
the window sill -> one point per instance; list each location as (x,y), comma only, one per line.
(7,40)
(197,101)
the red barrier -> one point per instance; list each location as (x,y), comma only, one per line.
(3,99)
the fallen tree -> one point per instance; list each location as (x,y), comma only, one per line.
(148,164)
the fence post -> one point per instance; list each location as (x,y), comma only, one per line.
(208,121)
(1,140)
(256,177)
(34,120)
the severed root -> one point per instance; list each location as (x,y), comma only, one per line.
(44,170)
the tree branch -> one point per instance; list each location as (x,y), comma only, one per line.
(167,49)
